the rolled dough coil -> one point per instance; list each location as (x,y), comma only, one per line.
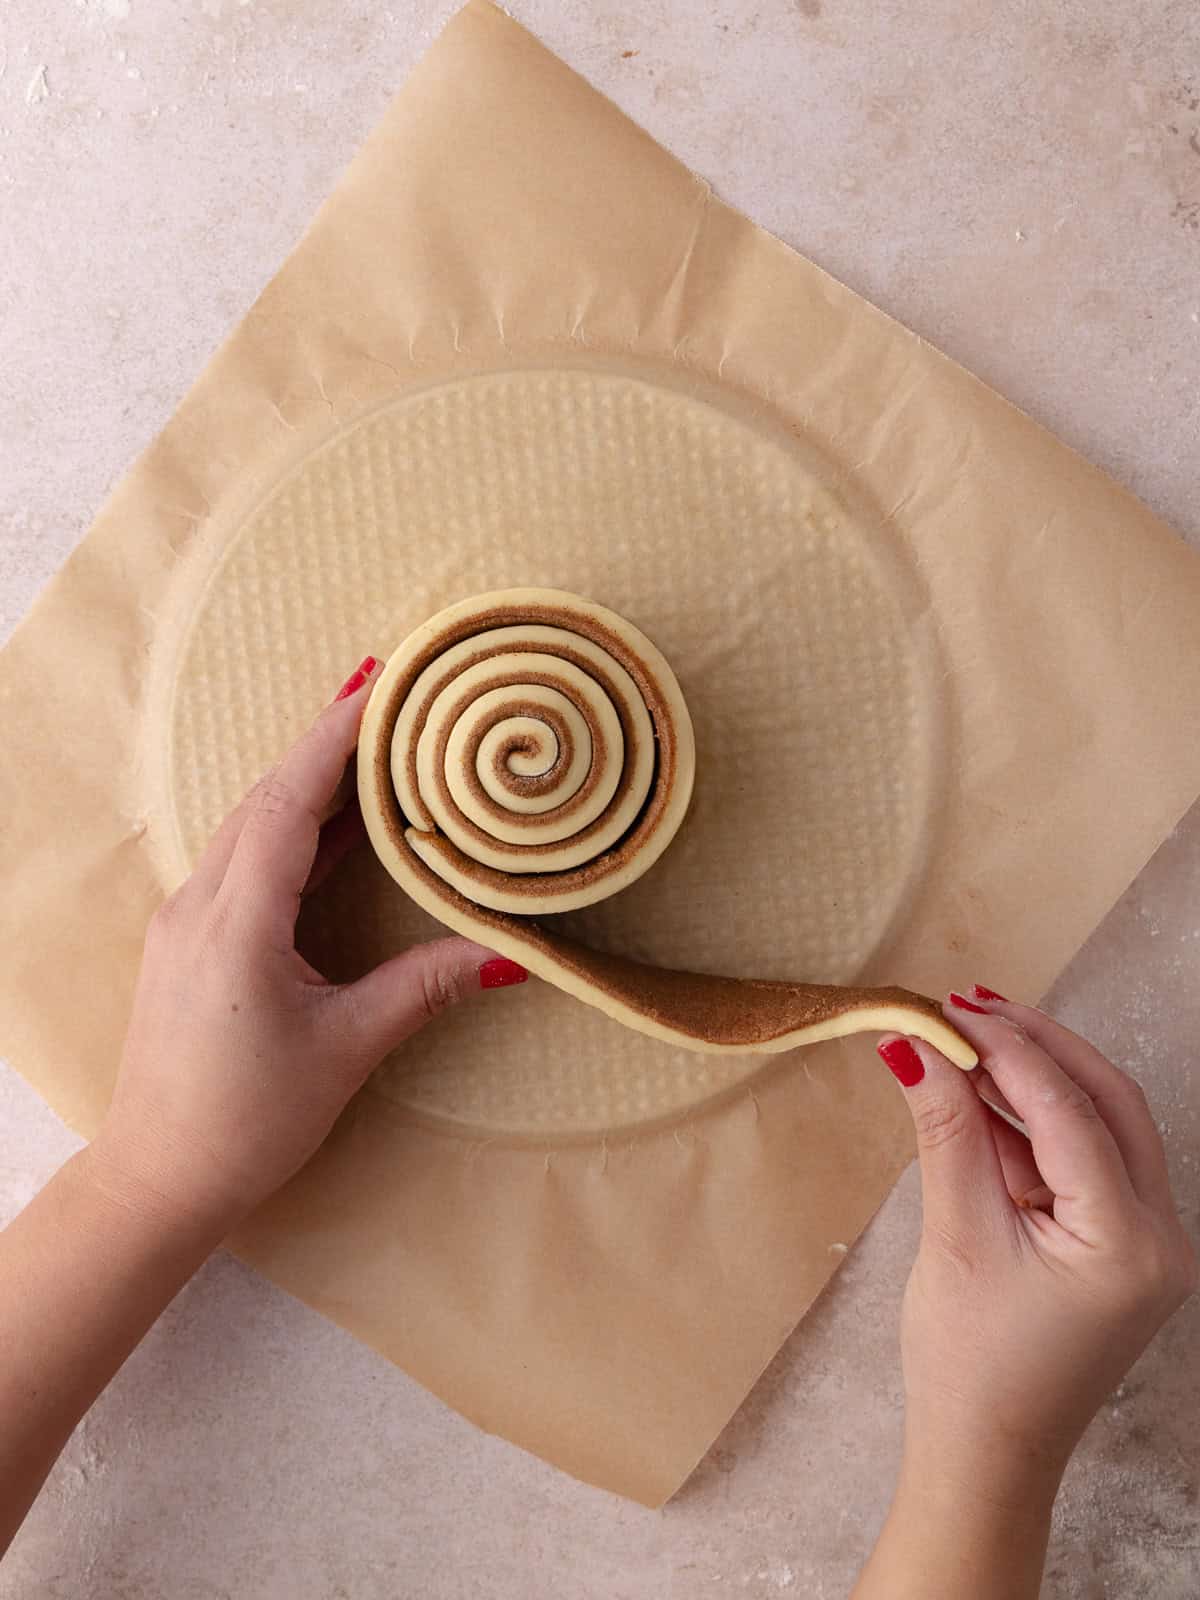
(527,752)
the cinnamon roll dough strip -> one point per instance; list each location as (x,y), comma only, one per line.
(620,819)
(698,1011)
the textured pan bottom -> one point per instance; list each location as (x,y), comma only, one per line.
(777,596)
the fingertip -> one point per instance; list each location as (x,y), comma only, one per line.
(983,1026)
(481,967)
(930,1058)
(982,992)
(367,669)
(901,1057)
(959,1002)
(498,972)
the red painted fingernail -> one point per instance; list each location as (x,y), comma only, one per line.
(499,972)
(988,994)
(902,1061)
(963,1004)
(357,678)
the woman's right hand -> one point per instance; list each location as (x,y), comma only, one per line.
(1046,1265)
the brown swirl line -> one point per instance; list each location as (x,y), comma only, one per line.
(528,752)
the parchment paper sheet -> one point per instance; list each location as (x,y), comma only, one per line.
(608,1305)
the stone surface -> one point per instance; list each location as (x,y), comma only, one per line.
(1020,187)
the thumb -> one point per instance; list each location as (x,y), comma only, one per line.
(962,1181)
(401,995)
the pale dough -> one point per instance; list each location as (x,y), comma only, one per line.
(526,752)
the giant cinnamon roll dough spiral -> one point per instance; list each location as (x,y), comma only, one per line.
(528,752)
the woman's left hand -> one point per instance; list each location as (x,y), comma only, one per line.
(240,1055)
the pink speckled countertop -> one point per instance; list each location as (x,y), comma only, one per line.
(1025,192)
